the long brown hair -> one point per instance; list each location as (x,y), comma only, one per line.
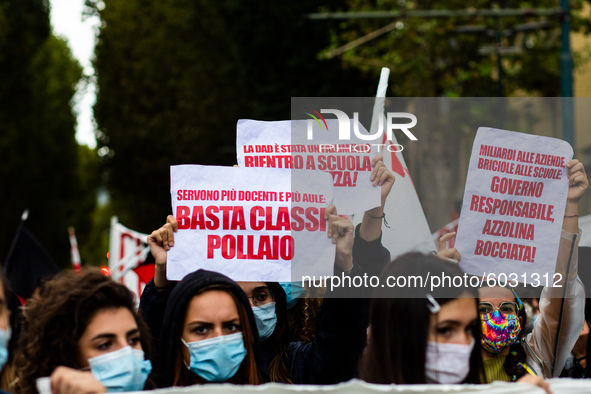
(400,321)
(56,322)
(280,339)
(248,373)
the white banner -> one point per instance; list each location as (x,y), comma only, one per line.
(557,386)
(272,144)
(249,224)
(513,206)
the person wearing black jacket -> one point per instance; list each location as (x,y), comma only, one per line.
(341,323)
(340,327)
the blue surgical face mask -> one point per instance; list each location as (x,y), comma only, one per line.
(122,370)
(4,339)
(216,359)
(266,319)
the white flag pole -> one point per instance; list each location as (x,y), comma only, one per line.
(379,105)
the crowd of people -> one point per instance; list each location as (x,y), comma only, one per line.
(85,333)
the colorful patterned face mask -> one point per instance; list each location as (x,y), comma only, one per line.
(498,331)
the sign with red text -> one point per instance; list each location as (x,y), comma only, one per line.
(513,206)
(248,223)
(273,145)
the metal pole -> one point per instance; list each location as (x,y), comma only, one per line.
(566,76)
(437,13)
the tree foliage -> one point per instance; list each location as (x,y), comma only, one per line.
(174,77)
(39,166)
(434,56)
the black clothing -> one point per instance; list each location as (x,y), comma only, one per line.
(174,317)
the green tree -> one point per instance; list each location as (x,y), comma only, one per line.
(439,56)
(174,77)
(39,166)
(432,57)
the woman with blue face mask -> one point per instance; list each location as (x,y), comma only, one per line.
(208,334)
(333,355)
(85,335)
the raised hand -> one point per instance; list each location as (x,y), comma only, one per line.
(450,254)
(577,181)
(160,241)
(382,176)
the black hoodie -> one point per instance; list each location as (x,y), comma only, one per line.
(341,324)
(174,317)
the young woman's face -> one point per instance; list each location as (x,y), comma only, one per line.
(455,321)
(109,330)
(496,296)
(258,293)
(210,315)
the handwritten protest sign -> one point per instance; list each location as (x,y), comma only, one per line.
(513,206)
(248,223)
(284,144)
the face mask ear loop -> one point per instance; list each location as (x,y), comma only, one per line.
(433,306)
(187,346)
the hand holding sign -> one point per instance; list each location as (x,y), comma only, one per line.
(371,225)
(160,242)
(577,181)
(577,186)
(342,231)
(450,254)
(381,176)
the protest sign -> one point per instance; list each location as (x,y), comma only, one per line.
(513,207)
(284,144)
(249,224)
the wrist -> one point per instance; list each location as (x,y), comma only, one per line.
(375,212)
(572,208)
(160,280)
(345,262)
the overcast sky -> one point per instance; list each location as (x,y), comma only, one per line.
(66,19)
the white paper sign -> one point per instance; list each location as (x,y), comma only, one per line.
(274,144)
(248,223)
(513,206)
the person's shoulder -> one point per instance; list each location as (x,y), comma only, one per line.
(4,392)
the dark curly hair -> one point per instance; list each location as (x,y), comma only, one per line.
(302,319)
(56,322)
